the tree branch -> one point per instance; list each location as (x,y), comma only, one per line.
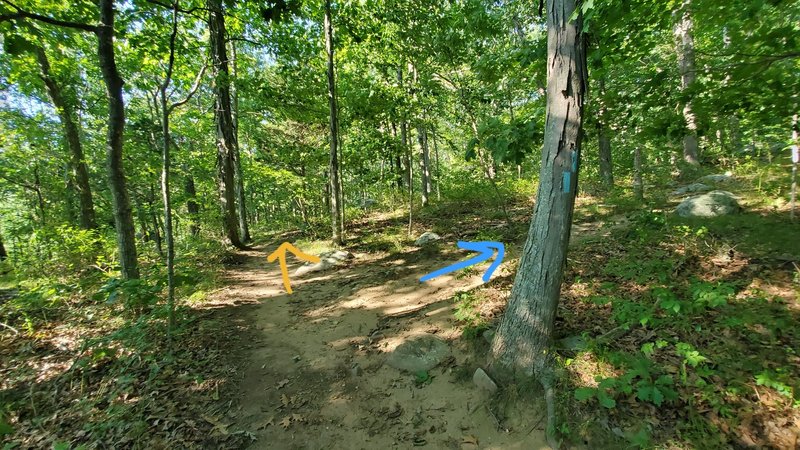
(21,14)
(192,91)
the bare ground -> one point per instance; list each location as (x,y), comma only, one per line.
(315,377)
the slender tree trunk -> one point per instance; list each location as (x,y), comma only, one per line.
(80,171)
(438,171)
(226,135)
(156,224)
(244,229)
(603,140)
(638,185)
(3,252)
(410,174)
(123,218)
(425,163)
(795,160)
(191,205)
(398,167)
(335,170)
(522,343)
(37,187)
(686,65)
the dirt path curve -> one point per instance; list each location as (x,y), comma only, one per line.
(316,379)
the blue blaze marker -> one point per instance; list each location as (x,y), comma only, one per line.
(565,180)
(486,248)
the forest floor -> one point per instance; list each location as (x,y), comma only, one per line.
(316,379)
(671,333)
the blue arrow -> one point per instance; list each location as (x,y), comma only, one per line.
(486,248)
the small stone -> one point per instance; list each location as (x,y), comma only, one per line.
(327,261)
(426,238)
(691,189)
(482,381)
(488,335)
(296,358)
(421,353)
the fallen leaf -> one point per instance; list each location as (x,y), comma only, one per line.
(284,400)
(298,418)
(283,383)
(286,422)
(469,442)
(268,422)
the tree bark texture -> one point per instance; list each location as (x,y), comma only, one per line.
(123,217)
(335,170)
(78,166)
(425,164)
(522,342)
(226,135)
(244,229)
(604,140)
(638,185)
(684,44)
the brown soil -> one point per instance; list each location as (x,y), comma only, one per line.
(315,376)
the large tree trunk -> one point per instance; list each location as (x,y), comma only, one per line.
(685,49)
(335,170)
(226,136)
(522,344)
(67,117)
(603,140)
(244,229)
(123,218)
(425,164)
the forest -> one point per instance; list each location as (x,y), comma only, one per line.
(360,224)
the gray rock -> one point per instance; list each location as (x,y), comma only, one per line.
(482,380)
(712,204)
(574,343)
(367,203)
(717,178)
(426,238)
(691,189)
(488,335)
(418,354)
(327,261)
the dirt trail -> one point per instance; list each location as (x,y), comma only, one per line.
(315,377)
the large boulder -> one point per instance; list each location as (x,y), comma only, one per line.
(327,261)
(421,353)
(712,204)
(691,189)
(716,178)
(426,238)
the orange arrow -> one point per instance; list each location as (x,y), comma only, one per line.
(280,255)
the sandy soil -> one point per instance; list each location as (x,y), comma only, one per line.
(315,377)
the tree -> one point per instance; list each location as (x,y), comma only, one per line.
(226,136)
(684,45)
(523,340)
(123,218)
(66,114)
(336,195)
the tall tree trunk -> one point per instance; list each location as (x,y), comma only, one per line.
(438,172)
(244,229)
(425,164)
(3,252)
(603,140)
(123,218)
(72,135)
(335,170)
(638,185)
(226,135)
(795,160)
(522,343)
(684,43)
(191,205)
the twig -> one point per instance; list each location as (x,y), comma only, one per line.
(497,422)
(10,328)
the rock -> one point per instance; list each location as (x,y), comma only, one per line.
(483,381)
(367,203)
(712,204)
(356,370)
(488,335)
(691,189)
(574,343)
(421,353)
(426,238)
(327,260)
(718,178)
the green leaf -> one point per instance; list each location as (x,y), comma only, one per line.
(606,400)
(585,393)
